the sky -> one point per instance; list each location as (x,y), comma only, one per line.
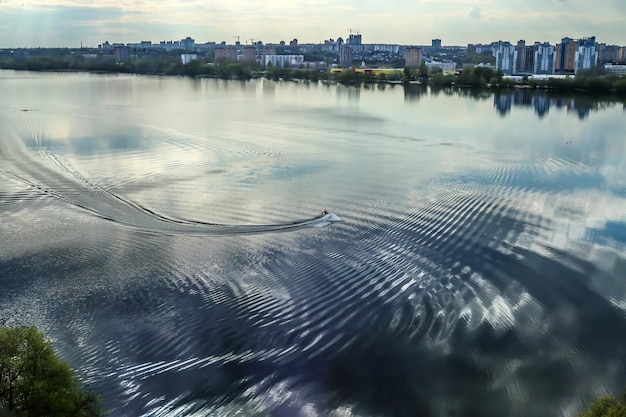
(67,23)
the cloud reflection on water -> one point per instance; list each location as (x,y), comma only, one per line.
(484,277)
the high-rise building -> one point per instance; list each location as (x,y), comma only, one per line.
(505,55)
(479,48)
(249,53)
(525,60)
(188,43)
(608,53)
(354,39)
(122,53)
(436,43)
(412,57)
(282,61)
(345,56)
(225,53)
(545,58)
(566,55)
(586,54)
(269,50)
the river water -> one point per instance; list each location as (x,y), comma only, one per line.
(165,233)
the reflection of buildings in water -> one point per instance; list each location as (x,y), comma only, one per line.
(434,91)
(503,103)
(559,103)
(353,93)
(570,104)
(413,92)
(582,110)
(541,104)
(522,98)
(268,89)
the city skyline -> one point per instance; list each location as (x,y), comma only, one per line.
(70,23)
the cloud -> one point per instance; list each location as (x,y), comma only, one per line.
(475,12)
(456,22)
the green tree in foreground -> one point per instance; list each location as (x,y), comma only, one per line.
(34,381)
(607,407)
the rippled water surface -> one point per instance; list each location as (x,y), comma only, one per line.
(166,234)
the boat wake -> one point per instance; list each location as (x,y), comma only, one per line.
(55,177)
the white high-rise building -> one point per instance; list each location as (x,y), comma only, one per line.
(586,54)
(187,58)
(545,58)
(282,61)
(505,55)
(445,66)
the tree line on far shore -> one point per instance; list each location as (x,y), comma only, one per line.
(593,80)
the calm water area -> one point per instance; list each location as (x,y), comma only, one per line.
(165,233)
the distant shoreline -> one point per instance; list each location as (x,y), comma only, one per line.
(477,77)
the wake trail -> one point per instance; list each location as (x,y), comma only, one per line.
(55,177)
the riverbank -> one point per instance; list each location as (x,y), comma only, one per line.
(480,77)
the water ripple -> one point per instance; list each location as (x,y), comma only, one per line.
(52,176)
(484,287)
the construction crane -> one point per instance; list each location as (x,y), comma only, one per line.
(237,36)
(252,40)
(356,31)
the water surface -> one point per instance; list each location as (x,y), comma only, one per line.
(162,232)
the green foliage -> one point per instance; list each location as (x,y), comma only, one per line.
(395,76)
(598,85)
(369,78)
(596,71)
(474,58)
(349,77)
(423,71)
(276,73)
(441,80)
(382,77)
(476,77)
(606,407)
(620,86)
(436,70)
(481,75)
(564,84)
(34,381)
(315,56)
(166,63)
